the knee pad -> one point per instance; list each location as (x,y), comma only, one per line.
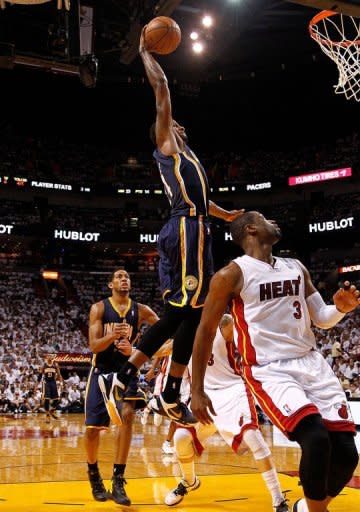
(183,443)
(312,435)
(343,462)
(254,440)
(314,440)
(343,449)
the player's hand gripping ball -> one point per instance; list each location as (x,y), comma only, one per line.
(162,35)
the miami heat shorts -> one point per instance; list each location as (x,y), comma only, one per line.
(290,389)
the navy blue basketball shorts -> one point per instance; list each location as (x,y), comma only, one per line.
(96,414)
(186,263)
(50,390)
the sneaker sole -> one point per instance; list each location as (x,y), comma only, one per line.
(182,497)
(153,405)
(120,502)
(110,406)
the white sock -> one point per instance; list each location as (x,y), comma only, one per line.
(188,471)
(302,506)
(272,482)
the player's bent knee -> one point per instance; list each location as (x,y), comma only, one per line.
(183,443)
(254,440)
(313,437)
(127,413)
(344,449)
(92,433)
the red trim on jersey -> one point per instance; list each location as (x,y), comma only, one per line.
(197,445)
(245,346)
(162,374)
(294,419)
(233,357)
(252,406)
(239,437)
(284,423)
(340,426)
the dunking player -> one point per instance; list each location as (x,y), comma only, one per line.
(114,326)
(50,394)
(236,421)
(186,265)
(273,301)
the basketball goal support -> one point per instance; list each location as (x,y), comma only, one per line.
(348,7)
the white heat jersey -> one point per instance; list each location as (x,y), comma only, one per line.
(224,366)
(271,318)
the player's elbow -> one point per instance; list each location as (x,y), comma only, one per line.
(93,346)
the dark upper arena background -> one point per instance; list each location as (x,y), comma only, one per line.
(259,101)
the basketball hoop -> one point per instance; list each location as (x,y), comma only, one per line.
(339,38)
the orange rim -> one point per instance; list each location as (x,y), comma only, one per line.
(323,15)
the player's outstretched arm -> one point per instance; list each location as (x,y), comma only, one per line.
(165,139)
(326,316)
(220,213)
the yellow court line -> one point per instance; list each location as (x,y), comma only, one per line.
(228,493)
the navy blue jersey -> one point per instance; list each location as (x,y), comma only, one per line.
(185,183)
(111,359)
(49,373)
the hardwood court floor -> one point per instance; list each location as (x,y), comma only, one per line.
(43,469)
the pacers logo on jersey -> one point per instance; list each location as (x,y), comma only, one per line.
(191,283)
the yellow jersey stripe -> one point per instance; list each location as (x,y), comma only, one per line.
(200,261)
(183,249)
(182,185)
(114,306)
(201,177)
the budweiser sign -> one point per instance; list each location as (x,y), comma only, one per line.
(68,357)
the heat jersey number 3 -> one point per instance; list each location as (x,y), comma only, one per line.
(297,313)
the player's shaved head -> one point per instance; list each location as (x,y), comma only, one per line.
(238,226)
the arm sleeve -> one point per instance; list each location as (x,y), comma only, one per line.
(321,314)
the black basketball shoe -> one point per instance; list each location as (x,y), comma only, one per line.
(118,493)
(98,490)
(176,411)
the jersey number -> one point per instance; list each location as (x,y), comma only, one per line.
(211,360)
(297,313)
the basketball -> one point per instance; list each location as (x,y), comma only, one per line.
(162,35)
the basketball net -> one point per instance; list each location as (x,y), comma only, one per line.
(339,38)
(35,2)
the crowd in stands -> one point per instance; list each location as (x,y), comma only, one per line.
(39,317)
(57,160)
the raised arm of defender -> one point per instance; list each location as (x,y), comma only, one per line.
(326,316)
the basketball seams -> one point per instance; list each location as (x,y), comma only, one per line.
(165,34)
(163,37)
